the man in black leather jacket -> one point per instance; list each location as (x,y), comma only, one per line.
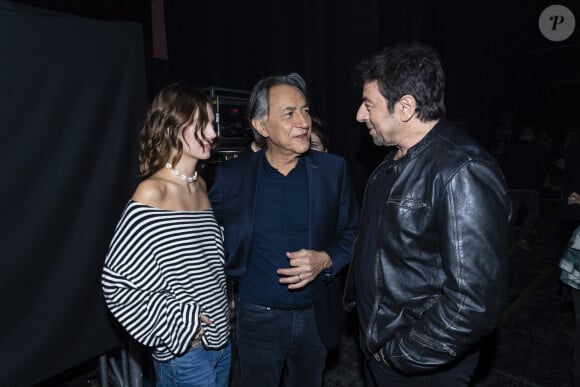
(428,274)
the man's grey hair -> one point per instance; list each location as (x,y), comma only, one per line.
(258,106)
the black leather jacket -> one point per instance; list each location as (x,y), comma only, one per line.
(440,269)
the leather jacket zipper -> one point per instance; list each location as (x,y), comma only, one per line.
(433,344)
(406,203)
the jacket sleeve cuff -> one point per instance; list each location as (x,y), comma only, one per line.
(328,273)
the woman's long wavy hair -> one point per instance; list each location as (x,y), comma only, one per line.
(176,108)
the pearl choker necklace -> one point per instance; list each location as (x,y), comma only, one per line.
(181,175)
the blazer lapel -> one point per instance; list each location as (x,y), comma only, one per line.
(247,196)
(312,179)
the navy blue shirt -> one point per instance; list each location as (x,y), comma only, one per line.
(280,225)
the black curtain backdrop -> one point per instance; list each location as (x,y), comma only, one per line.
(493,54)
(72,96)
(232,44)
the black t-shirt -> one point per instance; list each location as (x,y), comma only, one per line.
(376,196)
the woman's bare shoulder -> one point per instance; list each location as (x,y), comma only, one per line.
(151,192)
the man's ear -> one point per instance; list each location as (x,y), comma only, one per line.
(258,124)
(407,106)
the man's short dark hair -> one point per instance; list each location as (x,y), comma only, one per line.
(411,69)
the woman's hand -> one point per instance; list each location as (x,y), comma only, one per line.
(196,342)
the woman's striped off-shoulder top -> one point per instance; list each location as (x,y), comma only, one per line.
(162,271)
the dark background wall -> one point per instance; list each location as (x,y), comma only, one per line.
(495,57)
(494,54)
(72,95)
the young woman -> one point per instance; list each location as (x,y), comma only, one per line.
(317,137)
(163,277)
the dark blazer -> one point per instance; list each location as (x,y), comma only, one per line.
(333,224)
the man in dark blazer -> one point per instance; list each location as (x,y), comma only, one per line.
(290,219)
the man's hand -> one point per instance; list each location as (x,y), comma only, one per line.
(574,198)
(305,265)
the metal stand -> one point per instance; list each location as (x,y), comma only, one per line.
(129,374)
(135,372)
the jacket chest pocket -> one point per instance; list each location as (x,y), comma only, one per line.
(408,215)
(412,204)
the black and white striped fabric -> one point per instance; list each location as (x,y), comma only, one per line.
(163,269)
